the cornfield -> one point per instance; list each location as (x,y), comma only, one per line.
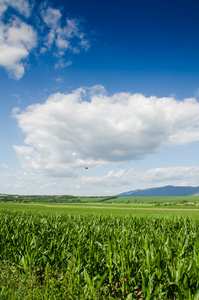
(101,257)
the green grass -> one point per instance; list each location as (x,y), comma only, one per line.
(103,209)
(162,199)
(64,199)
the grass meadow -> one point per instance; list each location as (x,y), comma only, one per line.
(141,209)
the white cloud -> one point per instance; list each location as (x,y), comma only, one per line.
(18,38)
(5,166)
(112,178)
(22,6)
(51,17)
(59,80)
(112,183)
(171,174)
(197,93)
(62,64)
(127,180)
(153,177)
(69,37)
(101,130)
(16,41)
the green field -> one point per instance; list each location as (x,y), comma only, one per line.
(107,209)
(99,250)
(162,199)
(64,199)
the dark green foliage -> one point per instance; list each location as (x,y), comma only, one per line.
(52,199)
(108,198)
(39,199)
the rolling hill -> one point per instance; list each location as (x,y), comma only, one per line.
(168,190)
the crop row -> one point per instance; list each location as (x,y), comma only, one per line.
(106,257)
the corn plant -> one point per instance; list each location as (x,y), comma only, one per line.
(96,257)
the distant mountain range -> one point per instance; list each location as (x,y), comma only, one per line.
(168,190)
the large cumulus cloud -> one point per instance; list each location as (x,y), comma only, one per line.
(90,128)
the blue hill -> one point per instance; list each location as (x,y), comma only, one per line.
(168,190)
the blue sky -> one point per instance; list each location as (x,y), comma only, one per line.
(108,85)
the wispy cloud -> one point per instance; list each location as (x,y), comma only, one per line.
(59,80)
(5,166)
(18,37)
(101,129)
(22,6)
(197,93)
(51,16)
(67,38)
(62,64)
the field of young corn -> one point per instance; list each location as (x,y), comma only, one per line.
(98,257)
